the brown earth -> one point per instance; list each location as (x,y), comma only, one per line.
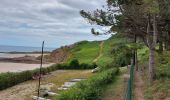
(59,55)
(138,87)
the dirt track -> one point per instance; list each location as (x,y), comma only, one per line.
(100,53)
(138,87)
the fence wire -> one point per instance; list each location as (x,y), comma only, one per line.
(129,90)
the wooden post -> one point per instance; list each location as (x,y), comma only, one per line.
(39,83)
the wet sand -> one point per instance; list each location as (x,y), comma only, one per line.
(18,67)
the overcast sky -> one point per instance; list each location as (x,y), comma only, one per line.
(58,22)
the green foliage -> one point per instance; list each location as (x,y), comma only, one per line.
(107,57)
(163,65)
(143,54)
(10,79)
(89,89)
(74,63)
(161,61)
(122,51)
(151,6)
(86,52)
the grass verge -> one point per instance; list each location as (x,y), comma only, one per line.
(115,90)
(89,89)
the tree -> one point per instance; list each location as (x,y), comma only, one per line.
(141,18)
(164,6)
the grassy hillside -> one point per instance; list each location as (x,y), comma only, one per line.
(87,52)
(95,51)
(84,51)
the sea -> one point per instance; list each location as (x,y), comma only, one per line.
(4,48)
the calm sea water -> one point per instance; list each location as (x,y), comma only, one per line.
(22,49)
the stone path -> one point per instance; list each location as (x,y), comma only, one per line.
(69,84)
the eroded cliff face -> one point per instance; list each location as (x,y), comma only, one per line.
(61,54)
(58,55)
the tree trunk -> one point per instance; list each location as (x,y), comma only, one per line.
(152,40)
(151,65)
(155,32)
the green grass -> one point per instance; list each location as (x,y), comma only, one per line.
(84,51)
(109,44)
(87,52)
(116,89)
(106,57)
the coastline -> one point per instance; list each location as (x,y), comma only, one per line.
(11,66)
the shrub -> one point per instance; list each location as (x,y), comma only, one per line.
(74,64)
(11,79)
(162,66)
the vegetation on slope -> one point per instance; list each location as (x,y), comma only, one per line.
(88,52)
(84,52)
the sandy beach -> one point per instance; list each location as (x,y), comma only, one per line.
(18,67)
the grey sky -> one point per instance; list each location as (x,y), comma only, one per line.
(28,22)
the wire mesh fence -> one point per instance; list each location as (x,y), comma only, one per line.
(129,89)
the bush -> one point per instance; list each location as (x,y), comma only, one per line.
(11,79)
(162,65)
(89,89)
(74,64)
